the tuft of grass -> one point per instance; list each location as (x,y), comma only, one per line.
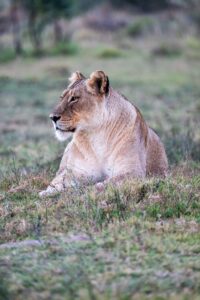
(110,53)
(64,48)
(193,43)
(180,147)
(7,55)
(193,48)
(167,50)
(139,27)
(86,209)
(173,199)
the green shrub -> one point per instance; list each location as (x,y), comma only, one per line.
(168,50)
(6,55)
(64,48)
(193,48)
(139,27)
(109,53)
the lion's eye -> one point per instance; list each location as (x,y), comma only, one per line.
(73,99)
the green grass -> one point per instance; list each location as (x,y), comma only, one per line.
(154,199)
(98,268)
(168,50)
(109,53)
(64,48)
(136,241)
(7,55)
(139,27)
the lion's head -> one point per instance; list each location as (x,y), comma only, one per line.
(81,104)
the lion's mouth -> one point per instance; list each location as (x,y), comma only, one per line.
(70,129)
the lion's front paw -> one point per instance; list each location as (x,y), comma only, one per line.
(50,191)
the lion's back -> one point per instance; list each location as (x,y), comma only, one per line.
(157,163)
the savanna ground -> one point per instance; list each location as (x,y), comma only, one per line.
(136,241)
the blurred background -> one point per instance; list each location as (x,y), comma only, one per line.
(149,49)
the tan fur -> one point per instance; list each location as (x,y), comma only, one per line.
(110,138)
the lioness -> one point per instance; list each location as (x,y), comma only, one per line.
(110,138)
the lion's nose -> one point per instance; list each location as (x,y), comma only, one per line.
(54,118)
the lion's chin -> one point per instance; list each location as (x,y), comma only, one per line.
(63,136)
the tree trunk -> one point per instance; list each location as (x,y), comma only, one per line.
(58,33)
(15,22)
(35,36)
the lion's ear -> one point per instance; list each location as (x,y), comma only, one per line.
(76,76)
(98,83)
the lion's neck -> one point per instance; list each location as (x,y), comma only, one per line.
(117,119)
(120,112)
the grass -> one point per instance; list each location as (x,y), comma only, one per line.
(167,49)
(22,211)
(139,27)
(139,240)
(63,48)
(87,269)
(110,53)
(7,55)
